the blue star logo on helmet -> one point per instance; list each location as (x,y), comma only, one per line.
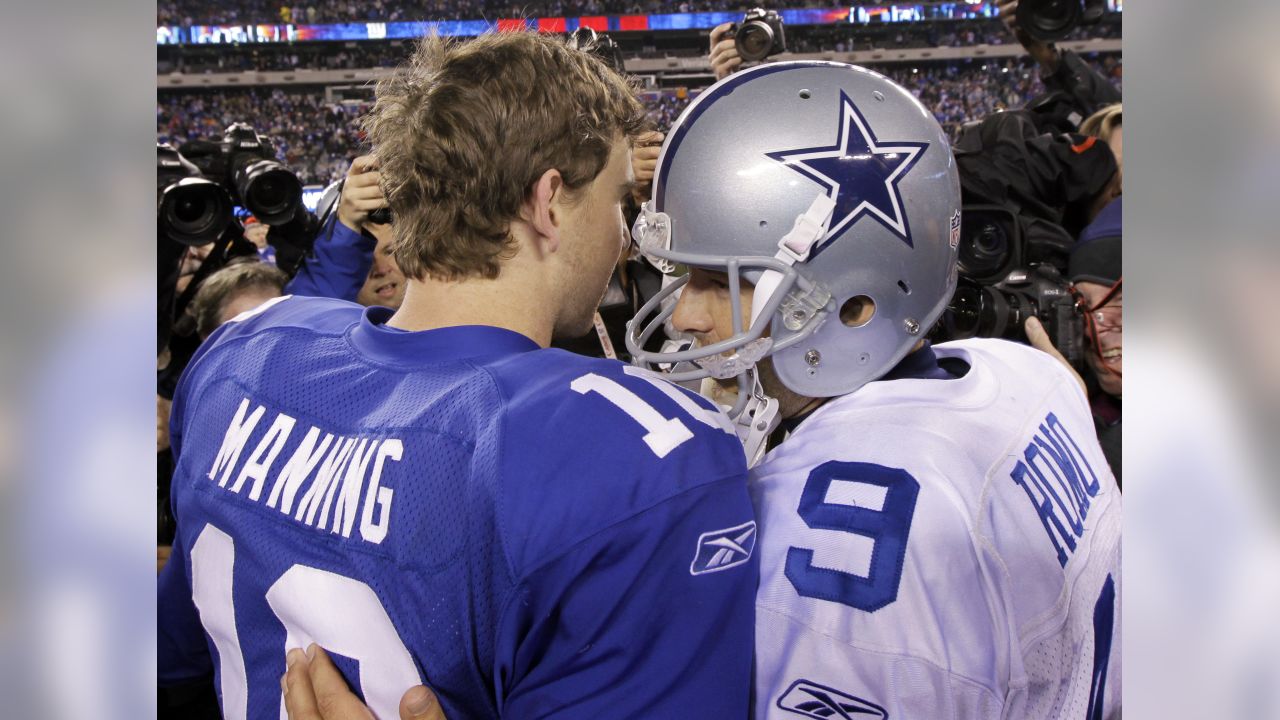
(860,172)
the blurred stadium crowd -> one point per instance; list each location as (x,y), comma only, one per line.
(198,12)
(318,139)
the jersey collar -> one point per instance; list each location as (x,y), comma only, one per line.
(923,365)
(373,338)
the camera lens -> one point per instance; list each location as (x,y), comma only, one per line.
(269,190)
(754,41)
(1048,20)
(984,250)
(193,211)
(965,315)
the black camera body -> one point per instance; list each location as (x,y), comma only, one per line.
(1052,20)
(244,162)
(190,209)
(995,241)
(1000,310)
(600,45)
(1008,273)
(759,35)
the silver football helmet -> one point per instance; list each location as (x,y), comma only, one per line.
(824,185)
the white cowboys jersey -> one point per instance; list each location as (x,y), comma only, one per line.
(942,549)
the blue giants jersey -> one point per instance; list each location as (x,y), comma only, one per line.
(531,533)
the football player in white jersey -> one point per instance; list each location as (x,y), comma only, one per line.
(939,530)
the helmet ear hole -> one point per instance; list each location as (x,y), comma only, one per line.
(857,311)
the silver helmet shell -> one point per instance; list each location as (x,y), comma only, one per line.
(755,153)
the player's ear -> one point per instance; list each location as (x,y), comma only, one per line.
(541,209)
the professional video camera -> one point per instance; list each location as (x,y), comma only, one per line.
(1008,275)
(759,35)
(244,162)
(1026,195)
(1052,20)
(1000,310)
(993,243)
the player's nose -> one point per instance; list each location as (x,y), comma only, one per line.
(692,314)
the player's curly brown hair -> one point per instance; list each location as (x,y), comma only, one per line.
(463,130)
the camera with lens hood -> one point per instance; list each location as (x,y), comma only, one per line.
(244,162)
(759,35)
(1052,20)
(1001,309)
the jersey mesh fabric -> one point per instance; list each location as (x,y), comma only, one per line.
(440,573)
(1055,687)
(525,544)
(983,621)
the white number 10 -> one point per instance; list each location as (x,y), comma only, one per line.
(339,613)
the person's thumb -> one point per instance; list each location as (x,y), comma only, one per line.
(419,703)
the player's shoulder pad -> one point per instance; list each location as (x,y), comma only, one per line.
(588,442)
(1015,356)
(324,316)
(320,315)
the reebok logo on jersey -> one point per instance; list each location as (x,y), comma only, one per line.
(815,701)
(723,549)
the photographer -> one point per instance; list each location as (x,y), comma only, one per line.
(1095,273)
(239,287)
(759,35)
(724,52)
(385,283)
(1073,89)
(342,254)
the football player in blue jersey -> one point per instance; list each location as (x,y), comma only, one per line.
(430,493)
(938,529)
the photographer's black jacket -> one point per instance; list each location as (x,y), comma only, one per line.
(1047,179)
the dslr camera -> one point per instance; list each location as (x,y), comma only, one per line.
(191,209)
(1000,310)
(759,35)
(244,162)
(600,45)
(1052,20)
(1007,277)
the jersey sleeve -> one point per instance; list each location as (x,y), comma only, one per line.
(341,261)
(629,530)
(633,623)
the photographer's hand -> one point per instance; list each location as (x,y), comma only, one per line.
(1039,340)
(644,162)
(361,193)
(1043,53)
(724,53)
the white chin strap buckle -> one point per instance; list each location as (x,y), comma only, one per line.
(808,230)
(756,423)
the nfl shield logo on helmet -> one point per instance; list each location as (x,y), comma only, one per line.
(722,549)
(955,229)
(812,700)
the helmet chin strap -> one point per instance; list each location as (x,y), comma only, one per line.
(757,419)
(809,230)
(759,415)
